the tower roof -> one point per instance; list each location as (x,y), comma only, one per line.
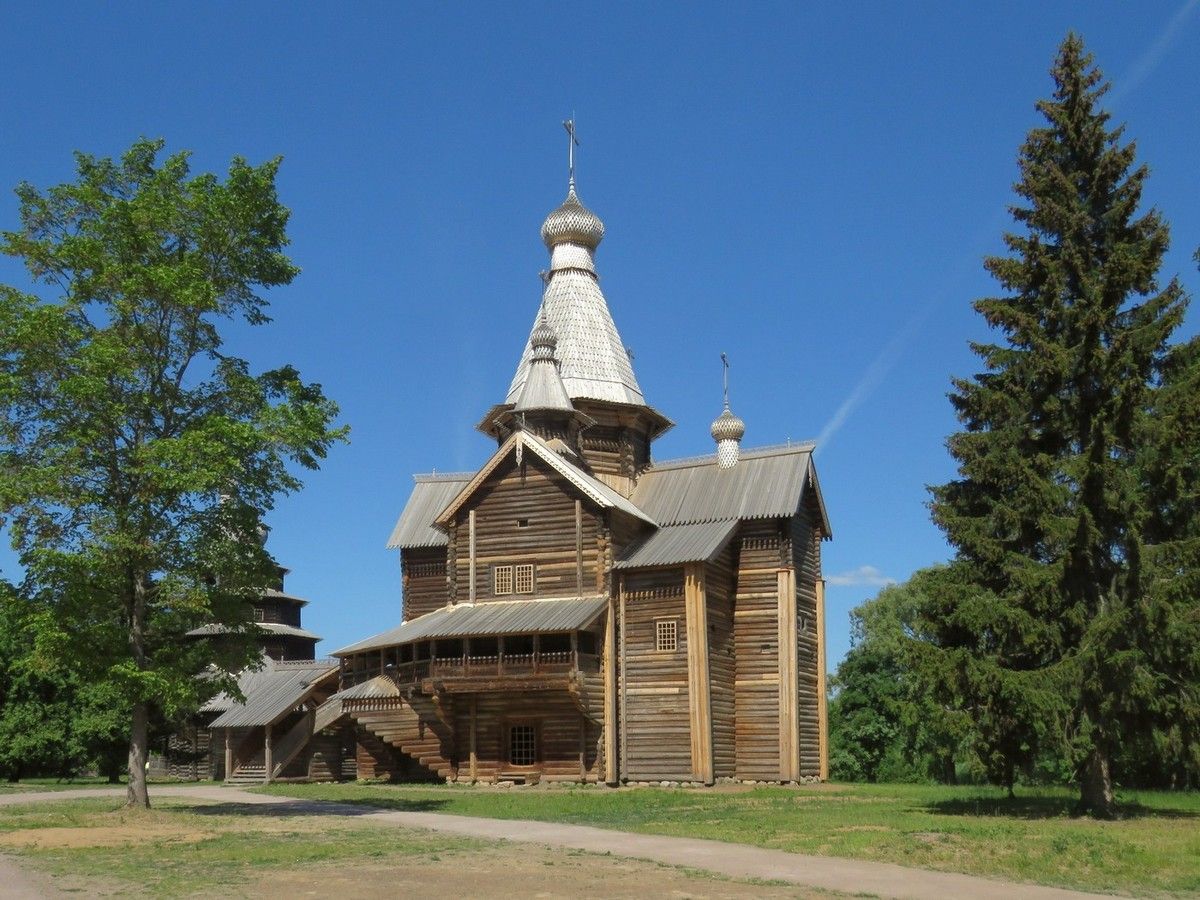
(592,361)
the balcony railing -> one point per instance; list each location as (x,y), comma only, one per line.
(510,664)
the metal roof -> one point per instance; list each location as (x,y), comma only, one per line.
(496,617)
(272,692)
(430,495)
(673,545)
(765,483)
(377,688)
(599,492)
(272,627)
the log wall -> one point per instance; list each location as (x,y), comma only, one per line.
(806,551)
(756,643)
(423,574)
(567,743)
(721,661)
(655,684)
(546,501)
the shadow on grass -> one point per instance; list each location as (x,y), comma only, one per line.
(1031,808)
(314,808)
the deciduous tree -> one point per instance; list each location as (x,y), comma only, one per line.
(136,457)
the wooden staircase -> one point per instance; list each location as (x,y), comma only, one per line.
(426,738)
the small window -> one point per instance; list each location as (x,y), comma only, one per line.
(258,614)
(502,577)
(666,635)
(522,745)
(522,523)
(524,579)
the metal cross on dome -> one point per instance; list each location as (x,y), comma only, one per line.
(572,143)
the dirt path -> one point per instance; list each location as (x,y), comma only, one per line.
(17,883)
(731,860)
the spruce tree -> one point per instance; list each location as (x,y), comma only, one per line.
(1075,558)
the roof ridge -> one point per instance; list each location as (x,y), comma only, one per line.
(442,476)
(752,453)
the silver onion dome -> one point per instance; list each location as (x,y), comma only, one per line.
(543,340)
(728,427)
(574,223)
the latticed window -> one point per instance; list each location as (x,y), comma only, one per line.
(522,745)
(259,615)
(666,635)
(502,578)
(524,579)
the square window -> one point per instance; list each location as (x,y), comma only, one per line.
(524,579)
(502,580)
(522,523)
(522,745)
(259,615)
(666,635)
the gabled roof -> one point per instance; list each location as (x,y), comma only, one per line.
(672,545)
(271,693)
(595,490)
(766,483)
(491,618)
(415,528)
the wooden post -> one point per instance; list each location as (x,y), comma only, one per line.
(474,756)
(471,551)
(579,547)
(582,748)
(228,753)
(699,685)
(789,732)
(822,702)
(610,693)
(268,758)
(500,655)
(624,679)
(382,661)
(537,646)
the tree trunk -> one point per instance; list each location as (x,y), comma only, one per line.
(138,740)
(1095,787)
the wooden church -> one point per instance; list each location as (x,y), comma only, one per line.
(576,610)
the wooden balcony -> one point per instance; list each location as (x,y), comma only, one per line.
(506,666)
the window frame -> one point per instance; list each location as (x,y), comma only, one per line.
(521,569)
(497,573)
(661,628)
(535,743)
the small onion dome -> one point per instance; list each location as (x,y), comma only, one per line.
(727,431)
(573,223)
(728,427)
(543,340)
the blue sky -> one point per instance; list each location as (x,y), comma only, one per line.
(809,189)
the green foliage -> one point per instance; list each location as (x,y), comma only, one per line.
(1067,621)
(885,723)
(136,458)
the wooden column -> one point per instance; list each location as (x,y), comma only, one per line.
(228,753)
(579,547)
(473,738)
(822,702)
(471,551)
(622,763)
(268,756)
(699,686)
(789,732)
(610,693)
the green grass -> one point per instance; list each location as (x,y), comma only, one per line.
(1153,850)
(29,785)
(180,848)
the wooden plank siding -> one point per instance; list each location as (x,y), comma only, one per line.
(654,684)
(721,661)
(535,493)
(806,552)
(423,573)
(756,643)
